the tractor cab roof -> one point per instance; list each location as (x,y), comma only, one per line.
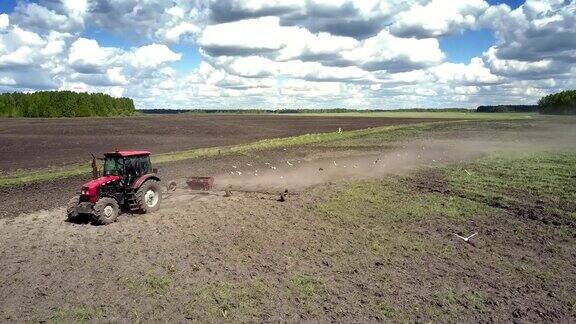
(127,153)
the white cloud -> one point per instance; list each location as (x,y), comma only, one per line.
(388,52)
(245,36)
(437,18)
(173,34)
(535,31)
(66,17)
(306,53)
(7,81)
(153,56)
(86,56)
(20,57)
(538,69)
(314,71)
(19,36)
(4,21)
(474,73)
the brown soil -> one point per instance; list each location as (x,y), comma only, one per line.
(250,258)
(36,143)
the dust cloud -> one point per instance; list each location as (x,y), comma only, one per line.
(298,174)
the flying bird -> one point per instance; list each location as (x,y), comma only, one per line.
(466,239)
(288,162)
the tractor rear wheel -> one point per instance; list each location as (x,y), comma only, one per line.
(106,210)
(71,208)
(149,196)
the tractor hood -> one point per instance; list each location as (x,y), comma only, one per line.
(91,187)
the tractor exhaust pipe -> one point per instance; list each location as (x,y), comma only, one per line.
(94,167)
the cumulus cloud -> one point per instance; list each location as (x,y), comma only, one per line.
(4,21)
(86,56)
(152,56)
(358,19)
(388,52)
(536,30)
(438,18)
(164,21)
(475,73)
(66,16)
(273,53)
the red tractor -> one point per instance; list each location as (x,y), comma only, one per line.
(128,181)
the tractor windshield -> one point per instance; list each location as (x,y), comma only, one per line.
(113,165)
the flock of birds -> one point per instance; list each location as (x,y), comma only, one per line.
(236,170)
(378,160)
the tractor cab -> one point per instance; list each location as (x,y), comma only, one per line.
(129,165)
(128,181)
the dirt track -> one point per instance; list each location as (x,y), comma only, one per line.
(38,143)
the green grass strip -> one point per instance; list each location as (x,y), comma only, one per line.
(431,114)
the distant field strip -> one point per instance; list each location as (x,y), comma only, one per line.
(23,177)
(439,114)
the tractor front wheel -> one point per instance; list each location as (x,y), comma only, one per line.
(72,208)
(149,196)
(106,210)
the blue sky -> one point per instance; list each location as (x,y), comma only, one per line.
(458,48)
(414,53)
(471,43)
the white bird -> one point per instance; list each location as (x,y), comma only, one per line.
(234,166)
(466,239)
(335,163)
(273,167)
(288,162)
(267,163)
(467,172)
(354,166)
(231,172)
(239,173)
(248,164)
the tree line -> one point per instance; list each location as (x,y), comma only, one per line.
(561,103)
(63,104)
(508,108)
